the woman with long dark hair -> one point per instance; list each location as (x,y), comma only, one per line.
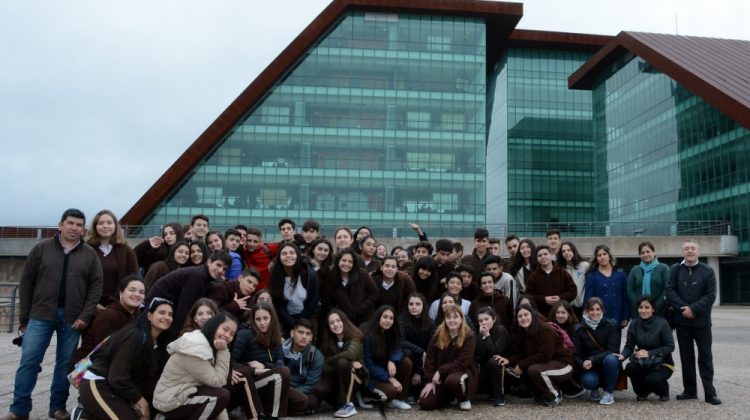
(450,365)
(198,253)
(367,247)
(394,287)
(609,284)
(294,287)
(390,371)
(416,331)
(571,261)
(122,376)
(524,263)
(258,346)
(179,254)
(132,291)
(493,345)
(156,248)
(320,255)
(192,383)
(539,356)
(203,309)
(564,316)
(350,288)
(344,372)
(425,278)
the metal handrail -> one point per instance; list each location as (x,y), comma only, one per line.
(437,229)
(12,313)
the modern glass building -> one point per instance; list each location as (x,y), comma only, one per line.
(380,123)
(381,113)
(664,153)
(539,148)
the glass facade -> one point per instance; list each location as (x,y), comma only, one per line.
(539,149)
(665,154)
(381,123)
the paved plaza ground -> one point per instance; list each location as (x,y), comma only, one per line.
(731,349)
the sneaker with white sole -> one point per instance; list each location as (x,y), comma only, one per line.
(595,395)
(401,405)
(607,398)
(465,405)
(346,410)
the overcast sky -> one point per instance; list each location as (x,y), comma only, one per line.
(99,98)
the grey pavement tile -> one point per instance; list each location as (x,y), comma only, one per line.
(731,345)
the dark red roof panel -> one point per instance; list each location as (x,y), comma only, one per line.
(715,69)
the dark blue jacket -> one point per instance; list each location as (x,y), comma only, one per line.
(694,287)
(246,349)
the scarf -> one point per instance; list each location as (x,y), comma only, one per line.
(590,322)
(647,269)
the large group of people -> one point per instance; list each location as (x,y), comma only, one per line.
(196,323)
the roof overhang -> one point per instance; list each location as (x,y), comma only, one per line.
(713,69)
(501,19)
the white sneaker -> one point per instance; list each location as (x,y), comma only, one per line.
(401,405)
(347,410)
(607,398)
(465,405)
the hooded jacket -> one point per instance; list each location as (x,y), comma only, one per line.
(306,368)
(192,364)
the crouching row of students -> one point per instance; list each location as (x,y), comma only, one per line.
(218,364)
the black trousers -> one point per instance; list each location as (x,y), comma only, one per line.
(702,338)
(646,381)
(492,378)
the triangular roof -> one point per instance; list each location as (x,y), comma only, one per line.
(501,19)
(715,69)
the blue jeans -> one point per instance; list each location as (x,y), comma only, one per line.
(608,371)
(36,339)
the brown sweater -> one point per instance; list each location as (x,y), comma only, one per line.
(555,283)
(546,345)
(223,293)
(451,359)
(397,295)
(497,301)
(115,266)
(105,323)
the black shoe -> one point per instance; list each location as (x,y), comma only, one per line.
(641,398)
(498,402)
(686,396)
(664,397)
(713,400)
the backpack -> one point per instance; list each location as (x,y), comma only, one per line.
(567,342)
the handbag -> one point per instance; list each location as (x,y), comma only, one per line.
(622,378)
(651,362)
(83,365)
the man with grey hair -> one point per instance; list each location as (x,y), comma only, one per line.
(691,291)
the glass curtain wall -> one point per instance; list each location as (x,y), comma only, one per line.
(667,155)
(382,123)
(540,146)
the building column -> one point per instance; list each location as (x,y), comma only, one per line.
(713,262)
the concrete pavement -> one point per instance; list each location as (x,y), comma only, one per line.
(731,349)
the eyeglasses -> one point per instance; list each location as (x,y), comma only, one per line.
(158,301)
